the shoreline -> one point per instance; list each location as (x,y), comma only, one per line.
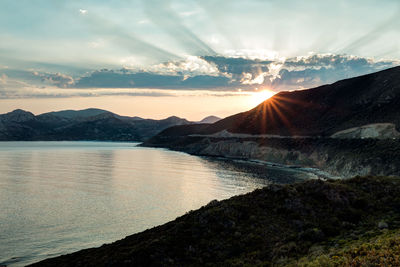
(319,174)
(325,157)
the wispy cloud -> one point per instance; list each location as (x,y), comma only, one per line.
(160,13)
(392,23)
(57,79)
(3,79)
(127,39)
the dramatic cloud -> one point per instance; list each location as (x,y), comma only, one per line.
(57,79)
(193,65)
(295,73)
(241,70)
(124,79)
(149,32)
(238,65)
(208,73)
(315,70)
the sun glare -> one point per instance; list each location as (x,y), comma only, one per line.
(260,96)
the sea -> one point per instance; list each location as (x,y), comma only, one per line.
(61,197)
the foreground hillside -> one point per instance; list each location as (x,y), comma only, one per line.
(89,124)
(353,222)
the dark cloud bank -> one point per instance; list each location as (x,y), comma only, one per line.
(228,74)
(235,73)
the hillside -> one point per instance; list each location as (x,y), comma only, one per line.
(353,222)
(321,111)
(70,114)
(210,119)
(347,128)
(89,124)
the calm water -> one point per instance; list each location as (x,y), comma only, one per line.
(59,197)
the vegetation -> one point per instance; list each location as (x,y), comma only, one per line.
(353,222)
(383,249)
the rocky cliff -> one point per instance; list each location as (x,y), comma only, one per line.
(376,130)
(338,157)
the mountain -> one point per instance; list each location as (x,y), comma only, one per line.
(17,116)
(347,128)
(210,119)
(321,111)
(88,124)
(73,114)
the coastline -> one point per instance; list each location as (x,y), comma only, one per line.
(317,173)
(333,158)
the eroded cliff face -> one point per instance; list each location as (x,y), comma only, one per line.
(319,158)
(338,157)
(376,130)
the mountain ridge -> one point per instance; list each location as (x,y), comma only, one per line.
(89,112)
(210,119)
(320,111)
(87,124)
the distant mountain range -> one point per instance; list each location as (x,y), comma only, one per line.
(209,119)
(88,124)
(321,111)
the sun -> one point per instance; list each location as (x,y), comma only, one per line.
(260,96)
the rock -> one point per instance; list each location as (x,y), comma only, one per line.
(375,130)
(382,225)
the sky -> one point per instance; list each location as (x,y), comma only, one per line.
(189,58)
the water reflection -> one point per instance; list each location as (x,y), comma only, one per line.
(59,197)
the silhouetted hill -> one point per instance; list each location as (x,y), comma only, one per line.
(210,119)
(321,111)
(89,124)
(72,114)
